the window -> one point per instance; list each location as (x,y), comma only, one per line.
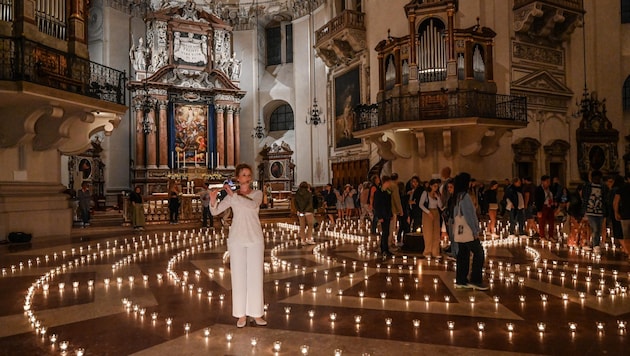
(274,46)
(625,11)
(289,31)
(281,119)
(279,43)
(626,95)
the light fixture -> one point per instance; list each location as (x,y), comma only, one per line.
(258,132)
(314,116)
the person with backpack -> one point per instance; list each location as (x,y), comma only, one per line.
(593,209)
(465,227)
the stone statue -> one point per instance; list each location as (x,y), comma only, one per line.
(234,67)
(139,55)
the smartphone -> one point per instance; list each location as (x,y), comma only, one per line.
(231,184)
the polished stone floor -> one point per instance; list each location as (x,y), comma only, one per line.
(166,290)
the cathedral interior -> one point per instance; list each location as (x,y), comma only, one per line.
(166,95)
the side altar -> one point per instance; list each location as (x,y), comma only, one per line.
(186,98)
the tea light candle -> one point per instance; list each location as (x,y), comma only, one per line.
(388,322)
(481,326)
(253,341)
(416,323)
(229,336)
(450,324)
(304,349)
(169,321)
(187,327)
(311,313)
(541,326)
(572,326)
(206,332)
(333,316)
(277,346)
(510,327)
(357,319)
(63,345)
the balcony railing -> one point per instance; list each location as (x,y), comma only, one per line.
(567,4)
(434,106)
(347,19)
(24,60)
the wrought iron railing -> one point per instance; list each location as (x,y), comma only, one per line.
(25,60)
(567,4)
(347,19)
(440,105)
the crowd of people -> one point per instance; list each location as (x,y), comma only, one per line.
(546,210)
(440,210)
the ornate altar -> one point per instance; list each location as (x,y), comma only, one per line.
(596,138)
(89,167)
(277,168)
(186,98)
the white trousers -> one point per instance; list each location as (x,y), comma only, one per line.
(247,264)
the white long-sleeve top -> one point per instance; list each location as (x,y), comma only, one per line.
(245,227)
(433,203)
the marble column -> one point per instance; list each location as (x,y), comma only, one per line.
(139,140)
(237,135)
(220,138)
(230,137)
(163,132)
(151,142)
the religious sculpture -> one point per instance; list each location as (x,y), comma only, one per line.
(139,55)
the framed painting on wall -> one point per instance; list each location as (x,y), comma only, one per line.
(190,133)
(347,95)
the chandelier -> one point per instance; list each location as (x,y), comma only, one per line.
(259,131)
(314,115)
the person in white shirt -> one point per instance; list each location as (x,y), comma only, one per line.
(246,246)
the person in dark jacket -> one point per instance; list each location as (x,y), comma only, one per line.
(304,205)
(515,205)
(415,213)
(173,208)
(383,213)
(85,201)
(330,203)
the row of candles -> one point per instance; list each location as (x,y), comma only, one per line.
(338,235)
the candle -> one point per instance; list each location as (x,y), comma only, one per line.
(195,158)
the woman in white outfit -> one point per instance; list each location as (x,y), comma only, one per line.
(245,245)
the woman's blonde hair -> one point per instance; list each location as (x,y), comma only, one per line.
(240,167)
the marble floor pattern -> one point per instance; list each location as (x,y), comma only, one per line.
(166,291)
